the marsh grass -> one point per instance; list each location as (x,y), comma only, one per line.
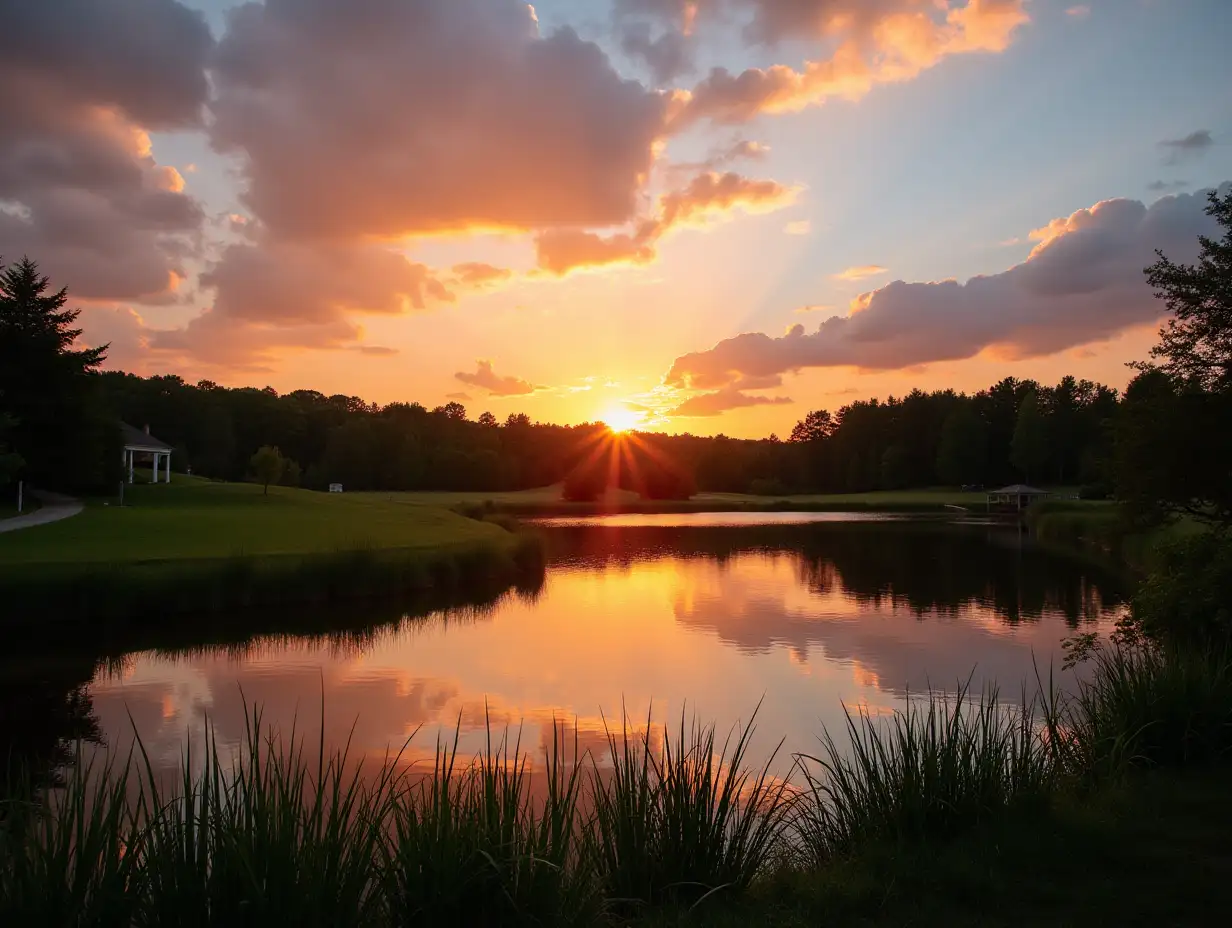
(941,766)
(1146,707)
(684,821)
(670,819)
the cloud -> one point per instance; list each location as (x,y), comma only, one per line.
(1082,283)
(380,351)
(564,250)
(879,42)
(860,271)
(479,276)
(740,150)
(460,397)
(1187,146)
(798,227)
(1082,11)
(270,295)
(1166,186)
(371,118)
(720,401)
(816,308)
(81,82)
(277,282)
(487,379)
(667,55)
(707,194)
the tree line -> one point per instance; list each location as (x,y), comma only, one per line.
(1165,444)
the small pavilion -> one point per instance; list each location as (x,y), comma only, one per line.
(1017,495)
(141,442)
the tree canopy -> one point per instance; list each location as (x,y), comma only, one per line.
(49,388)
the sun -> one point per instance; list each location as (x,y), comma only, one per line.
(621,418)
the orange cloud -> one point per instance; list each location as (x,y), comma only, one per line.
(477,275)
(707,194)
(860,271)
(879,43)
(439,117)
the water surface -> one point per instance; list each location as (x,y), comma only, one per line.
(646,616)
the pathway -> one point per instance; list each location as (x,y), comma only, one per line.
(55,506)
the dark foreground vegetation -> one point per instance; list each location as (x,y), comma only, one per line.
(666,824)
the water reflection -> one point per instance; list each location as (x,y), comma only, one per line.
(644,620)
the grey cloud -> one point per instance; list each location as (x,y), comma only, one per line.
(1082,283)
(496,385)
(1166,186)
(720,401)
(667,55)
(1195,143)
(80,82)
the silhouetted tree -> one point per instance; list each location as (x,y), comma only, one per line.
(1029,451)
(268,465)
(963,452)
(62,430)
(1195,345)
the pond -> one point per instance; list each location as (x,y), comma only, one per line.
(648,616)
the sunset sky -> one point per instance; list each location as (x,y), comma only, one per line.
(695,215)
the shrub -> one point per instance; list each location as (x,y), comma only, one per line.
(1185,600)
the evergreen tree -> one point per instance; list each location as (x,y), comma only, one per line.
(1029,449)
(62,430)
(963,452)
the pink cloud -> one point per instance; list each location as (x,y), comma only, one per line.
(1081,284)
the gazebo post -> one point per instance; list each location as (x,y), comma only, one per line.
(168,459)
(131,455)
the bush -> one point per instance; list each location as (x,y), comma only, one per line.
(1186,600)
(768,486)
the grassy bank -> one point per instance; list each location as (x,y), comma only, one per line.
(199,546)
(547,501)
(953,813)
(1101,530)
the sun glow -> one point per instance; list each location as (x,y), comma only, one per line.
(621,418)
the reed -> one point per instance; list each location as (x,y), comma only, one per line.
(940,766)
(1146,707)
(671,818)
(685,821)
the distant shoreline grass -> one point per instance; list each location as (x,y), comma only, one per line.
(667,826)
(1100,530)
(547,501)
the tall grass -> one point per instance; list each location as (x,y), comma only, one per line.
(942,765)
(684,821)
(280,836)
(667,817)
(1146,707)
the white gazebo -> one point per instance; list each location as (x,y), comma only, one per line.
(138,442)
(1018,495)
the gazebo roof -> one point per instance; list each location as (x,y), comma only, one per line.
(1019,489)
(137,440)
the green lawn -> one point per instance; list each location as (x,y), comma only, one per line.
(1155,852)
(194,518)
